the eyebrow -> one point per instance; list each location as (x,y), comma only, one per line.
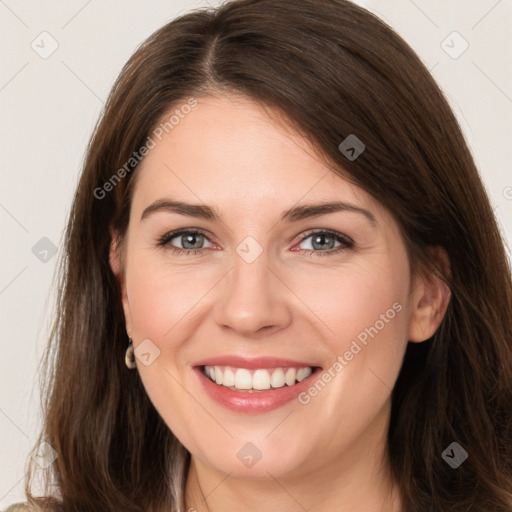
(292,215)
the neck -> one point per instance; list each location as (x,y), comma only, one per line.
(356,481)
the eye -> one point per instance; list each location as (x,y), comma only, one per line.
(326,239)
(322,242)
(191,241)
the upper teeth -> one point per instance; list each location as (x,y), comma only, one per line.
(242,378)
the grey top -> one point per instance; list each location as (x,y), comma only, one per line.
(17,507)
(26,507)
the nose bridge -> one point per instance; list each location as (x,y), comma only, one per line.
(252,296)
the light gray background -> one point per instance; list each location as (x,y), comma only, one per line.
(49,107)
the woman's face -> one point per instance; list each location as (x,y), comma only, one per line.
(330,290)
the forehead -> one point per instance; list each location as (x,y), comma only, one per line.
(230,151)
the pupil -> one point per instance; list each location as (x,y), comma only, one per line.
(318,241)
(188,239)
(321,238)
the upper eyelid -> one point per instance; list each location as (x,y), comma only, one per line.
(179,232)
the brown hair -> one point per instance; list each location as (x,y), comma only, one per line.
(331,69)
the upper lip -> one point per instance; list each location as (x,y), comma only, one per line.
(253,362)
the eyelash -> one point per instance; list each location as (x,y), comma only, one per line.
(346,242)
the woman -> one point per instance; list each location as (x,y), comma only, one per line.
(266,371)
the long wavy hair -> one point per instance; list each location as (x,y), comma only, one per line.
(330,69)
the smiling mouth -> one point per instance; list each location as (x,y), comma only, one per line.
(254,380)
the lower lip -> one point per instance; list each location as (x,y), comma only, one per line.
(256,402)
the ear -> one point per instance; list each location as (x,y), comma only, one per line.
(117,265)
(430,299)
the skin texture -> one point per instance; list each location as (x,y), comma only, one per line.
(328,455)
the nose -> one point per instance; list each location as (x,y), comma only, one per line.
(252,300)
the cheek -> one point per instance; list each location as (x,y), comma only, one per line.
(363,313)
(352,299)
(363,316)
(161,296)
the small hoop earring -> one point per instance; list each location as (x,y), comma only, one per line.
(129,357)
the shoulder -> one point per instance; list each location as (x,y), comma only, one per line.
(19,507)
(38,505)
(27,507)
